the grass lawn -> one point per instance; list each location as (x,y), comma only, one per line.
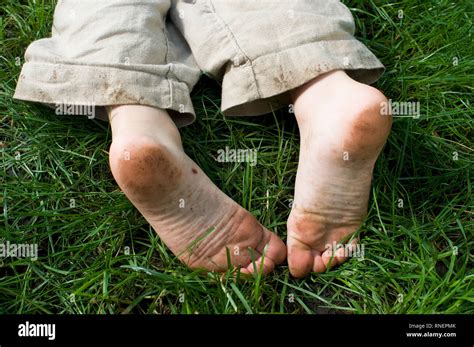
(98,255)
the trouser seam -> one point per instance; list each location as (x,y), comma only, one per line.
(236,45)
(170,87)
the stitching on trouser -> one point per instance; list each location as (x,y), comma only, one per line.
(170,88)
(235,43)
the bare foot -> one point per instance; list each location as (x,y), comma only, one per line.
(342,134)
(197,221)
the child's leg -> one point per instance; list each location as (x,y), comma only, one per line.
(270,56)
(342,134)
(190,214)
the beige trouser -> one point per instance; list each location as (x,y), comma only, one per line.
(152,52)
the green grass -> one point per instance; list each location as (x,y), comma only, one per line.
(418,257)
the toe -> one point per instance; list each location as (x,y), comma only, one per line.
(256,268)
(268,253)
(319,266)
(331,259)
(275,249)
(349,250)
(300,259)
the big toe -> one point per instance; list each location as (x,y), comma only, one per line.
(271,254)
(300,259)
(268,255)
